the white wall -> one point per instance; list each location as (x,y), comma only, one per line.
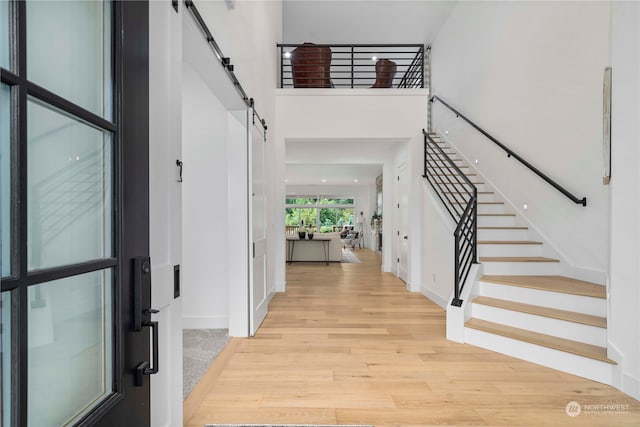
(213,151)
(438,274)
(247,32)
(205,224)
(624,256)
(357,114)
(530,73)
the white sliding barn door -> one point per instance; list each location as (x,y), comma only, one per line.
(258,296)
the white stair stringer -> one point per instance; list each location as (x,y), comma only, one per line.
(571,363)
(510,246)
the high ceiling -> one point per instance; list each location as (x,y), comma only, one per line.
(363,21)
(358,22)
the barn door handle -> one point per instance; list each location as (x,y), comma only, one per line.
(179,164)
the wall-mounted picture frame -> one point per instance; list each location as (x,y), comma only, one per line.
(606,126)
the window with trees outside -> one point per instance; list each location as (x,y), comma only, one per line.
(323,214)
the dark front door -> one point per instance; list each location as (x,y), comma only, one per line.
(74,213)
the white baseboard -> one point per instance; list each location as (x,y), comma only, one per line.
(442,302)
(621,380)
(205,322)
(281,286)
(631,386)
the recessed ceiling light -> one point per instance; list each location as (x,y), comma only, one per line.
(525,207)
(285,180)
(324,180)
(287,54)
(355,180)
(374,58)
(446,132)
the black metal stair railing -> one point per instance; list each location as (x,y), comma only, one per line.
(352,65)
(460,197)
(511,153)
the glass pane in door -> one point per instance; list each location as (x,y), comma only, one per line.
(5,358)
(69,51)
(70,349)
(69,186)
(4,34)
(5,179)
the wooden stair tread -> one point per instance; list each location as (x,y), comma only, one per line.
(453,174)
(553,313)
(517,259)
(508,242)
(561,284)
(474,183)
(479,192)
(568,346)
(481,203)
(514,227)
(497,214)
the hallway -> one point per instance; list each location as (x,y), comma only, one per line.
(347,344)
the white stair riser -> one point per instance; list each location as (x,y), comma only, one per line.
(544,325)
(566,362)
(462,187)
(521,268)
(496,221)
(502,234)
(486,198)
(509,250)
(481,197)
(491,209)
(561,301)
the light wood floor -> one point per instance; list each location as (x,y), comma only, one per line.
(347,344)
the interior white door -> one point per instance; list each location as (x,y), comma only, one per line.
(403,221)
(165,207)
(258,296)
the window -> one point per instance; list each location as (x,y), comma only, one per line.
(5,179)
(322,213)
(4,35)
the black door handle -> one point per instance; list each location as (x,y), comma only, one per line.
(142,316)
(406,237)
(143,368)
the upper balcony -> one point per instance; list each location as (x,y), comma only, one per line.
(347,66)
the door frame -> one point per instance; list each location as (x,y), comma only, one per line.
(130,404)
(402,191)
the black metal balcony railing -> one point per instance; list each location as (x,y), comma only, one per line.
(351,66)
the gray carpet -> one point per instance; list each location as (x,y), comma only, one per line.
(349,257)
(200,348)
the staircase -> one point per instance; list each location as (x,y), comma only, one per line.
(521,306)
